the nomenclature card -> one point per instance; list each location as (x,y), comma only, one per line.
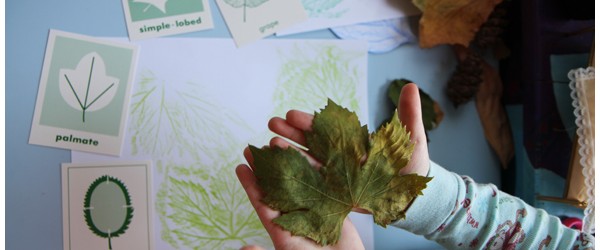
(84,93)
(156,18)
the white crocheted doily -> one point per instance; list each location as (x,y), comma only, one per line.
(582,92)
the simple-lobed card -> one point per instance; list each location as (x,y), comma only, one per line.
(107,205)
(155,18)
(250,20)
(84,93)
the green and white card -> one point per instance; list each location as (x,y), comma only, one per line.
(84,93)
(155,18)
(107,205)
(250,20)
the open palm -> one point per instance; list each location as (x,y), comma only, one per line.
(292,128)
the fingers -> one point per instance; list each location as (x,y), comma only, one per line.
(349,232)
(281,143)
(409,112)
(249,158)
(248,181)
(299,119)
(251,247)
(293,126)
(283,128)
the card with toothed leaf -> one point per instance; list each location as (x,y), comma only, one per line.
(251,20)
(84,92)
(107,205)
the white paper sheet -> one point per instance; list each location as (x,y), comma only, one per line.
(198,103)
(324,14)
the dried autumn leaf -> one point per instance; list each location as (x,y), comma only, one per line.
(314,203)
(452,21)
(493,117)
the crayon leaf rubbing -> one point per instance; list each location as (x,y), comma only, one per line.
(314,203)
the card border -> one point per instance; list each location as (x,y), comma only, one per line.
(65,167)
(43,134)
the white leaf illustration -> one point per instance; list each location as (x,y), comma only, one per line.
(159,4)
(87,87)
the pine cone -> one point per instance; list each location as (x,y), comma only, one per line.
(465,80)
(490,31)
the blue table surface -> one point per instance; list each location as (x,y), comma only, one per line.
(33,185)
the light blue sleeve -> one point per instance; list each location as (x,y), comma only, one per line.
(458,213)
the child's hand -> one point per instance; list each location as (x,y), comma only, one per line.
(282,239)
(409,112)
(292,128)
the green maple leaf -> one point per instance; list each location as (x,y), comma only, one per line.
(314,203)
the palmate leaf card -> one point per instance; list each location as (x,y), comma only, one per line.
(87,87)
(360,170)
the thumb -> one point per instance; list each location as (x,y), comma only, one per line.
(409,112)
(251,247)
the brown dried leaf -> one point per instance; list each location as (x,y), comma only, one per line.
(493,116)
(452,21)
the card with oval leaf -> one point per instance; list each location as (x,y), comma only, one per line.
(107,205)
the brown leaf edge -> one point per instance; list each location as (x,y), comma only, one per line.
(451,21)
(493,117)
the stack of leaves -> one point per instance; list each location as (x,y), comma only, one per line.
(466,78)
(461,23)
(359,171)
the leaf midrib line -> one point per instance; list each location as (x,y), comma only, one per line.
(317,190)
(347,172)
(87,91)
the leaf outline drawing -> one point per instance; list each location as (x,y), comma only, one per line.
(87,84)
(323,8)
(245,3)
(209,211)
(91,210)
(317,72)
(159,4)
